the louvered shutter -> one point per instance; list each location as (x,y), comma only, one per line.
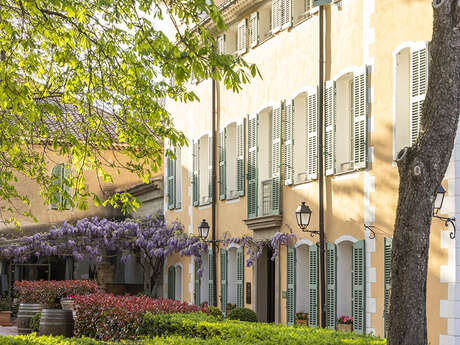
(57,175)
(210,156)
(321,2)
(418,86)
(331,284)
(210,277)
(387,280)
(172,282)
(291,285)
(360,109)
(240,277)
(171,169)
(254,29)
(221,44)
(289,142)
(312,126)
(197,291)
(222,164)
(329,125)
(313,291)
(252,166)
(276,158)
(276,15)
(359,287)
(242,37)
(67,188)
(223,279)
(286,13)
(240,157)
(196,174)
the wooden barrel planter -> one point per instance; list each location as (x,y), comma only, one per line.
(25,313)
(56,322)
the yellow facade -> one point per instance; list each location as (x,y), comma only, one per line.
(358,34)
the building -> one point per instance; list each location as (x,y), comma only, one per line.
(376,65)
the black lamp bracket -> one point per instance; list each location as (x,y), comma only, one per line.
(371,231)
(446,221)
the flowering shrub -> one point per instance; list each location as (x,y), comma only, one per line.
(49,292)
(301,316)
(109,317)
(345,320)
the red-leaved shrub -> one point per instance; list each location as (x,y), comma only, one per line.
(49,292)
(109,317)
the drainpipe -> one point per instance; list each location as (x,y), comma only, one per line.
(213,191)
(320,171)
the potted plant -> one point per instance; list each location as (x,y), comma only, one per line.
(5,312)
(345,323)
(67,303)
(301,318)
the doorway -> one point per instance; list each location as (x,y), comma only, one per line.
(265,307)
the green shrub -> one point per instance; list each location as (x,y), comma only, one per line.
(242,314)
(216,312)
(34,322)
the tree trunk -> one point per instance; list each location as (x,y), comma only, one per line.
(421,169)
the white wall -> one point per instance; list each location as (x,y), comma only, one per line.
(344,278)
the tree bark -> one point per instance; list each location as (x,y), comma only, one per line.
(421,169)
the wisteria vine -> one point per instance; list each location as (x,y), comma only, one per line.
(151,238)
(254,248)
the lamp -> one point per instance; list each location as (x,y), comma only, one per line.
(203,229)
(303,216)
(437,205)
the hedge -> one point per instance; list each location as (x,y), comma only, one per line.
(50,292)
(109,317)
(321,338)
(207,327)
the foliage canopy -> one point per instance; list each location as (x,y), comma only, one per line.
(85,81)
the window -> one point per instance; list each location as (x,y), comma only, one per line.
(300,10)
(281,14)
(228,43)
(202,171)
(60,179)
(174,172)
(178,285)
(411,78)
(242,37)
(302,279)
(221,44)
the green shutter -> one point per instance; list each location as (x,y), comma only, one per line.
(360,111)
(252,166)
(67,189)
(387,281)
(418,86)
(196,174)
(222,165)
(171,169)
(329,126)
(331,285)
(240,277)
(289,142)
(321,2)
(197,290)
(240,157)
(210,156)
(312,128)
(291,285)
(223,279)
(210,277)
(56,176)
(359,287)
(172,282)
(313,279)
(276,158)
